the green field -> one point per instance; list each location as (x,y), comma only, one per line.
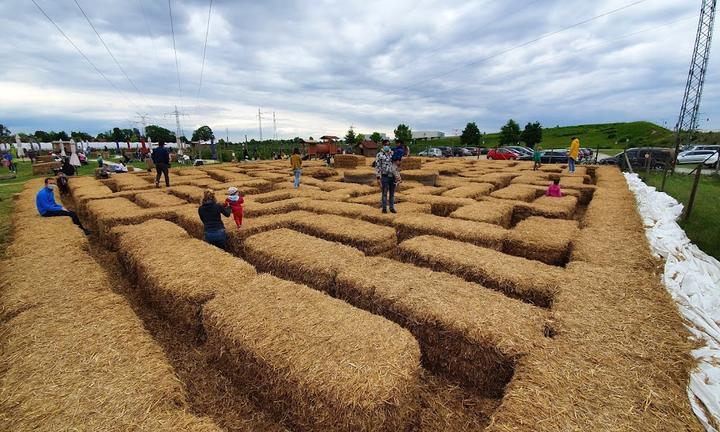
(702,228)
(610,137)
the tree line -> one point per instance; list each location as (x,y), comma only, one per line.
(510,134)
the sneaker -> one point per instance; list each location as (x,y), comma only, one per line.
(157,185)
(384,210)
(392,210)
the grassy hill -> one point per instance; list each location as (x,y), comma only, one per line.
(606,136)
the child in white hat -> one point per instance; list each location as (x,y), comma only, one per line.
(235,202)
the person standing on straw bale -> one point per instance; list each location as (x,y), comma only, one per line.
(161,159)
(554,189)
(573,153)
(213,227)
(47,207)
(296,165)
(235,201)
(537,156)
(388,177)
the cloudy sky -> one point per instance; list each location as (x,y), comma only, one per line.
(324,65)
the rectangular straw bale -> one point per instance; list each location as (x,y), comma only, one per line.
(425,190)
(599,245)
(449,182)
(360,176)
(500,180)
(518,192)
(492,212)
(244,190)
(202,182)
(254,209)
(360,211)
(517,277)
(270,176)
(320,172)
(276,195)
(542,239)
(440,205)
(564,206)
(472,190)
(424,176)
(182,275)
(353,188)
(411,163)
(189,172)
(158,199)
(123,182)
(299,257)
(479,233)
(188,218)
(348,161)
(256,225)
(314,361)
(368,237)
(107,213)
(191,194)
(374,199)
(227,176)
(468,333)
(533,177)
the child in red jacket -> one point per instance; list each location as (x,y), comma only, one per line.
(235,201)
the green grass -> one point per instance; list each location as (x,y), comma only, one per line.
(702,228)
(609,137)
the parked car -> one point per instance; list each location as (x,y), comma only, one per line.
(502,154)
(522,151)
(694,147)
(549,156)
(708,157)
(659,158)
(484,150)
(461,151)
(446,151)
(431,152)
(474,151)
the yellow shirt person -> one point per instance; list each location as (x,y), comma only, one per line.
(296,164)
(573,153)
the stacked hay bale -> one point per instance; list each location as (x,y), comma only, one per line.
(70,347)
(411,163)
(361,176)
(481,234)
(349,161)
(542,239)
(424,176)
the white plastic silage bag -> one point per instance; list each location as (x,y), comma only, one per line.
(693,279)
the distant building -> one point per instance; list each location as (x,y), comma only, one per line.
(427,135)
(383,136)
(369,148)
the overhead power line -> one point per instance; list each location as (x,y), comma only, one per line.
(107,48)
(177,64)
(82,53)
(514,47)
(149,30)
(202,68)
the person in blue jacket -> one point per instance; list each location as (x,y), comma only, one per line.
(47,207)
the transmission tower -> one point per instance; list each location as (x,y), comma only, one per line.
(688,121)
(178,130)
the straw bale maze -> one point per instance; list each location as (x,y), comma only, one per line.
(480,305)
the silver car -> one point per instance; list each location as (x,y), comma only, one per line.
(708,157)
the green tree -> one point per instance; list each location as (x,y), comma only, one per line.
(350,138)
(360,138)
(532,135)
(159,133)
(470,135)
(4,131)
(376,137)
(62,136)
(42,136)
(203,133)
(80,136)
(510,133)
(403,132)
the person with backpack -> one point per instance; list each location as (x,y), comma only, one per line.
(388,177)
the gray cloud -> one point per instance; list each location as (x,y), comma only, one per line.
(325,65)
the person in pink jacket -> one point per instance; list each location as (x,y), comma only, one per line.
(554,189)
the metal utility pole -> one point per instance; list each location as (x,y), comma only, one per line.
(259,116)
(687,122)
(274,127)
(178,129)
(143,121)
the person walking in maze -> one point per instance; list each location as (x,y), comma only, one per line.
(388,177)
(213,227)
(47,207)
(161,159)
(573,153)
(235,201)
(537,157)
(296,165)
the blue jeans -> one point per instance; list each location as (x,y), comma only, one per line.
(216,238)
(388,188)
(571,165)
(297,173)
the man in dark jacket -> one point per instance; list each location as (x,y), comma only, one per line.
(161,159)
